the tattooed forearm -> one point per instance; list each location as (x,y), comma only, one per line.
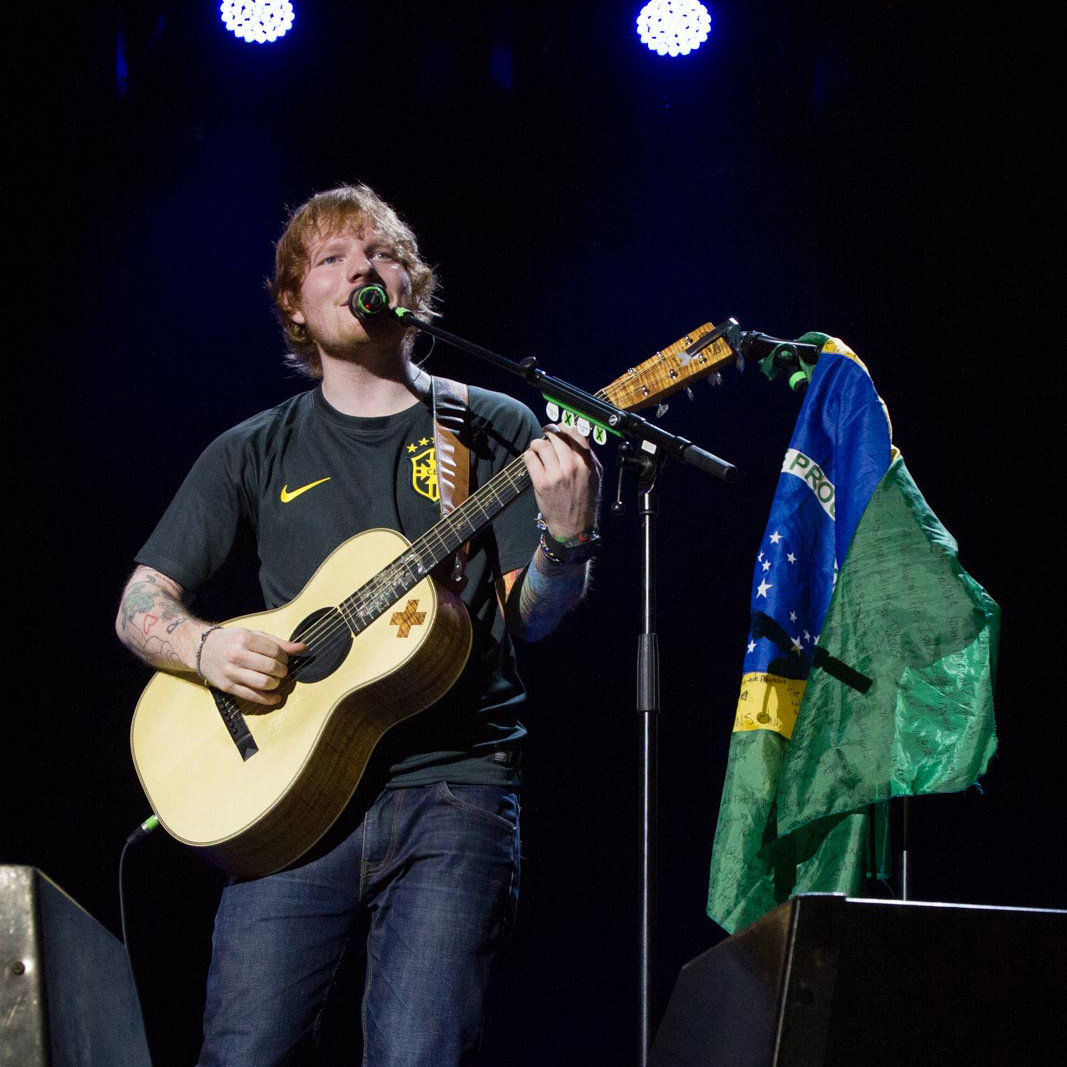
(159,652)
(145,605)
(151,619)
(545,594)
(137,599)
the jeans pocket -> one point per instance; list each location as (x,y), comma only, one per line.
(493,803)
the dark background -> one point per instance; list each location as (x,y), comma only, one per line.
(876,171)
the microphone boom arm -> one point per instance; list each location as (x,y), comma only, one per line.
(651,438)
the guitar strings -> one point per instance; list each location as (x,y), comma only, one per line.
(375,597)
(326,630)
(367,603)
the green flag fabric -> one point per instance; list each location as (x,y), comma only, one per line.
(921,635)
(892,698)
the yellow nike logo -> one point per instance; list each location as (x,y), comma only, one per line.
(287,496)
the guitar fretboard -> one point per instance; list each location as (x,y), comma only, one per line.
(375,597)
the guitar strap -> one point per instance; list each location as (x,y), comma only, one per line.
(450,426)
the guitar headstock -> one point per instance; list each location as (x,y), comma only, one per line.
(672,368)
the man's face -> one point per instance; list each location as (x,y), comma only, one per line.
(337,264)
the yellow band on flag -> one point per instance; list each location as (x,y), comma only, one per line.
(835,344)
(768,702)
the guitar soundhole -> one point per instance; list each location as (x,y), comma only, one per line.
(328,639)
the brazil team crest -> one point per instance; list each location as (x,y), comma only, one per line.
(424,469)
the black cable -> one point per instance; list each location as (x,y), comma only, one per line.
(139,834)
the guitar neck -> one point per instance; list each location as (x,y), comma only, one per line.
(409,568)
(689,359)
(474,514)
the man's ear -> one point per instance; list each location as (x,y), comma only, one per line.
(292,309)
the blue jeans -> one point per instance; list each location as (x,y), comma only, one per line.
(425,887)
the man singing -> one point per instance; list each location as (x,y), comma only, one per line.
(420,882)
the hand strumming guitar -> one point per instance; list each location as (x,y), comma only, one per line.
(155,625)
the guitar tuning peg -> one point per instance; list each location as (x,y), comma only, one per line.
(715,379)
(661,410)
(689,393)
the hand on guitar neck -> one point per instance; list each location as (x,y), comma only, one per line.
(566,481)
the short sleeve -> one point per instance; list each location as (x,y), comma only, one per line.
(198,530)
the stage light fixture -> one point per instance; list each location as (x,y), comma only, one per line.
(673,27)
(257,20)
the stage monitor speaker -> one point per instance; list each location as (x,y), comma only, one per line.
(825,981)
(66,992)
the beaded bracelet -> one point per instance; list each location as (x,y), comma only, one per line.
(578,549)
(200,647)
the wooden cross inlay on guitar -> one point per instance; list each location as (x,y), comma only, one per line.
(404,620)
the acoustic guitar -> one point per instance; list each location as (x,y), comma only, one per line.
(253,788)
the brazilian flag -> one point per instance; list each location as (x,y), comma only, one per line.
(869,667)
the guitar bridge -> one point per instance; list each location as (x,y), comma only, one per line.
(235,724)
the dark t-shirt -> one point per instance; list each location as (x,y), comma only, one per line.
(302,478)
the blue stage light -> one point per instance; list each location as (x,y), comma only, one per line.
(257,20)
(673,27)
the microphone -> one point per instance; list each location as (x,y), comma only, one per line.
(369,302)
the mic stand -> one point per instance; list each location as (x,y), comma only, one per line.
(655,444)
(648,706)
(653,439)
